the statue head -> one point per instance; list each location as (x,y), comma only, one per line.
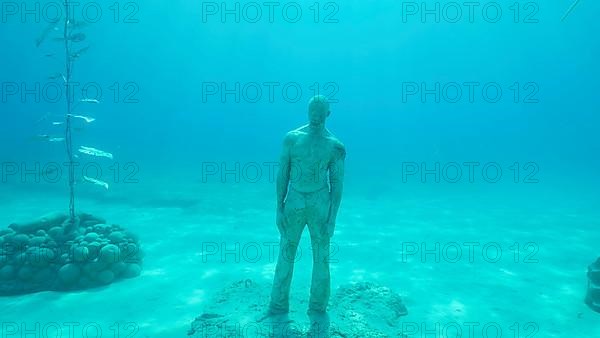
(318,110)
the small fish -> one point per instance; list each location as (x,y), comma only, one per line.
(77,24)
(55,76)
(49,55)
(77,37)
(50,28)
(80,52)
(89,101)
(57,123)
(96,182)
(42,137)
(87,119)
(48,138)
(94,152)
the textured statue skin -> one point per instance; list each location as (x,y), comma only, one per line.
(309,192)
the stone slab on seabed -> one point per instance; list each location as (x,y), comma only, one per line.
(356,310)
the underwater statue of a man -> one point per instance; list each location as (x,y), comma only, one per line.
(309,193)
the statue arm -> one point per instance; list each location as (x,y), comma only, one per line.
(283,175)
(336,180)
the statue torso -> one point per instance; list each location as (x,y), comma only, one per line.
(310,156)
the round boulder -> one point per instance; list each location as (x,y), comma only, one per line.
(132,270)
(37,240)
(118,268)
(94,249)
(7,272)
(81,254)
(116,237)
(55,232)
(105,277)
(26,273)
(20,239)
(91,237)
(110,254)
(91,269)
(69,274)
(41,257)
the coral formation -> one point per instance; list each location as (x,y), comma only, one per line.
(47,255)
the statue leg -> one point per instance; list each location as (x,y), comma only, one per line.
(288,245)
(317,214)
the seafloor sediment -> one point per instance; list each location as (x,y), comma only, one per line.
(356,310)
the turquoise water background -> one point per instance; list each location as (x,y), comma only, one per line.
(167,133)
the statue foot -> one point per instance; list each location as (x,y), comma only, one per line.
(281,316)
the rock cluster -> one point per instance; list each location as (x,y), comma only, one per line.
(593,295)
(52,254)
(367,309)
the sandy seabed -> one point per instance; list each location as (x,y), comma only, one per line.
(476,263)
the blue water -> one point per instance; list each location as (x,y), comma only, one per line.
(170,111)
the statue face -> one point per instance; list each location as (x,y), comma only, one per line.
(318,109)
(317,115)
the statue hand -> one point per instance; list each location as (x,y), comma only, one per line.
(330,228)
(281,221)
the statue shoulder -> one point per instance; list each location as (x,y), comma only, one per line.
(291,137)
(339,149)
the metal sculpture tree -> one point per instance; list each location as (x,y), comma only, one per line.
(71,36)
